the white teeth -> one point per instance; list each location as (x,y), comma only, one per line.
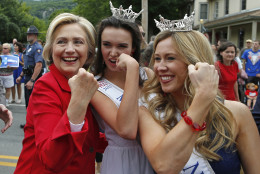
(166,78)
(113,61)
(70,59)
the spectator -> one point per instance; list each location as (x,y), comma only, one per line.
(18,48)
(143,43)
(6,74)
(248,46)
(228,71)
(220,42)
(251,63)
(147,53)
(12,45)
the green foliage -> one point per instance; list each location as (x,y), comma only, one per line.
(15,19)
(44,8)
(92,10)
(95,10)
(57,12)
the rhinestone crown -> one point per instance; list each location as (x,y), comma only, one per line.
(124,14)
(184,24)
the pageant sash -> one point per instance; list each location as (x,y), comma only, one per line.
(197,164)
(112,91)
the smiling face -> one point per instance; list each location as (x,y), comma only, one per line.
(169,67)
(70,49)
(114,42)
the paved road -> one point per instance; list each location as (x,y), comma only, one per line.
(11,140)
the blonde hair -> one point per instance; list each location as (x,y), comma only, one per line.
(8,45)
(68,18)
(193,47)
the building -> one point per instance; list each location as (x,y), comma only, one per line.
(234,20)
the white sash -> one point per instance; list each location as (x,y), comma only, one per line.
(197,164)
(112,91)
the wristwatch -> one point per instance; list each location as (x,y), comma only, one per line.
(32,80)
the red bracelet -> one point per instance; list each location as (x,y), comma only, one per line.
(195,126)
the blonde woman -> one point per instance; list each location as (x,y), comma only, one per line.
(61,134)
(217,134)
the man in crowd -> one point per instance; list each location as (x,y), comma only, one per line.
(248,46)
(251,63)
(12,45)
(32,63)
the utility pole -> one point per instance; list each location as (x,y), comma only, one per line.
(145,18)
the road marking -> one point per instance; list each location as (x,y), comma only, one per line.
(7,164)
(9,157)
(23,105)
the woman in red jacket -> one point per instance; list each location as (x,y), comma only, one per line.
(61,135)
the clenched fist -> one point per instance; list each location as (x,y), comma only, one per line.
(83,86)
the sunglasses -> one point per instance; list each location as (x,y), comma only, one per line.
(5,48)
(143,34)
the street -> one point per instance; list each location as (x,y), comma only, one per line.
(11,140)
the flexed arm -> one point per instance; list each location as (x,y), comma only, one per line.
(169,152)
(51,124)
(124,120)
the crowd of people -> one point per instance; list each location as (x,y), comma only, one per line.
(180,114)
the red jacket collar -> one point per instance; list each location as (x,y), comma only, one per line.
(61,79)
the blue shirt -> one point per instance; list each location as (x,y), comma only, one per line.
(33,54)
(252,62)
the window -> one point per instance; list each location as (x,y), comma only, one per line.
(203,11)
(216,10)
(243,4)
(226,6)
(241,38)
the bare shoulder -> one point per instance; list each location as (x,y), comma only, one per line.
(241,114)
(237,108)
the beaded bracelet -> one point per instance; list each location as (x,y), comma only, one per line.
(195,126)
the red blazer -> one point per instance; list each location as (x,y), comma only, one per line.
(49,146)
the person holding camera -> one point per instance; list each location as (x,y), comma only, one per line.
(32,63)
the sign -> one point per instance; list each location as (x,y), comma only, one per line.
(9,61)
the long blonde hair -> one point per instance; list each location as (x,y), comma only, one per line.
(193,47)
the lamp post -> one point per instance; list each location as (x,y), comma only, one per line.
(201,25)
(145,17)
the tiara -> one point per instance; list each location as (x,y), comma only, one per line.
(184,24)
(124,14)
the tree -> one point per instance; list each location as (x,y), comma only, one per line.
(15,19)
(92,10)
(95,11)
